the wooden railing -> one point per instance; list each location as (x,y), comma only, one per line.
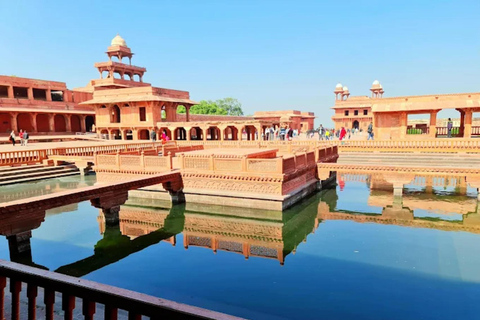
(90,293)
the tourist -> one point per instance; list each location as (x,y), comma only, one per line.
(327,135)
(20,134)
(25,138)
(12,137)
(282,133)
(153,135)
(370,131)
(343,132)
(449,127)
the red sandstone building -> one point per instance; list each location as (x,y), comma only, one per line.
(128,108)
(41,106)
(390,115)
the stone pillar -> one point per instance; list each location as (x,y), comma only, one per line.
(403,125)
(33,120)
(49,95)
(10,92)
(462,123)
(239,133)
(110,205)
(187,132)
(467,133)
(83,126)
(429,184)
(205,132)
(187,114)
(68,122)
(433,124)
(51,122)
(30,93)
(13,121)
(19,247)
(259,132)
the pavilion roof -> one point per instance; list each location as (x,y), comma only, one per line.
(135,98)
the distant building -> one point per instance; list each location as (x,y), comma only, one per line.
(41,106)
(390,115)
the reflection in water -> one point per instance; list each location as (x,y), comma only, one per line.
(42,187)
(355,257)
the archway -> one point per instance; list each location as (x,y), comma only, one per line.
(116,135)
(230,133)
(104,134)
(196,133)
(115,114)
(75,123)
(128,135)
(442,120)
(355,125)
(180,134)
(60,124)
(43,123)
(143,134)
(24,122)
(249,132)
(5,125)
(213,133)
(89,122)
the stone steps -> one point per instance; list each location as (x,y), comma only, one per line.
(38,173)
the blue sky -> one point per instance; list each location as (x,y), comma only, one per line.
(271,55)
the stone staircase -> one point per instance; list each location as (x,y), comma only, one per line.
(28,173)
(411,159)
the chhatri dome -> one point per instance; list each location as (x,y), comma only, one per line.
(118,41)
(339,86)
(375,82)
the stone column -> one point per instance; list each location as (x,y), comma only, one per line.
(205,132)
(51,122)
(433,124)
(187,114)
(467,133)
(10,92)
(13,121)
(403,125)
(49,95)
(83,126)
(429,184)
(68,122)
(30,93)
(462,123)
(239,133)
(33,120)
(187,132)
(110,205)
(19,247)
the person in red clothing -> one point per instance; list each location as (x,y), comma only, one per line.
(20,134)
(343,132)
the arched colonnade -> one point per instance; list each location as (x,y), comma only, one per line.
(45,122)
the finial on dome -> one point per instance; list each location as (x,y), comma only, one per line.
(118,41)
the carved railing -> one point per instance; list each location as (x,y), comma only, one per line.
(429,146)
(443,132)
(132,163)
(90,293)
(476,131)
(22,157)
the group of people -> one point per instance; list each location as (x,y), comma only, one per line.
(279,133)
(23,135)
(342,134)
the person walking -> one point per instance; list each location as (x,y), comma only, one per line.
(25,138)
(12,137)
(370,131)
(343,132)
(449,127)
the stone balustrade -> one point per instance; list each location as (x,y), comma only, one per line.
(431,146)
(22,157)
(128,163)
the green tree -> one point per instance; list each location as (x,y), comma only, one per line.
(227,106)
